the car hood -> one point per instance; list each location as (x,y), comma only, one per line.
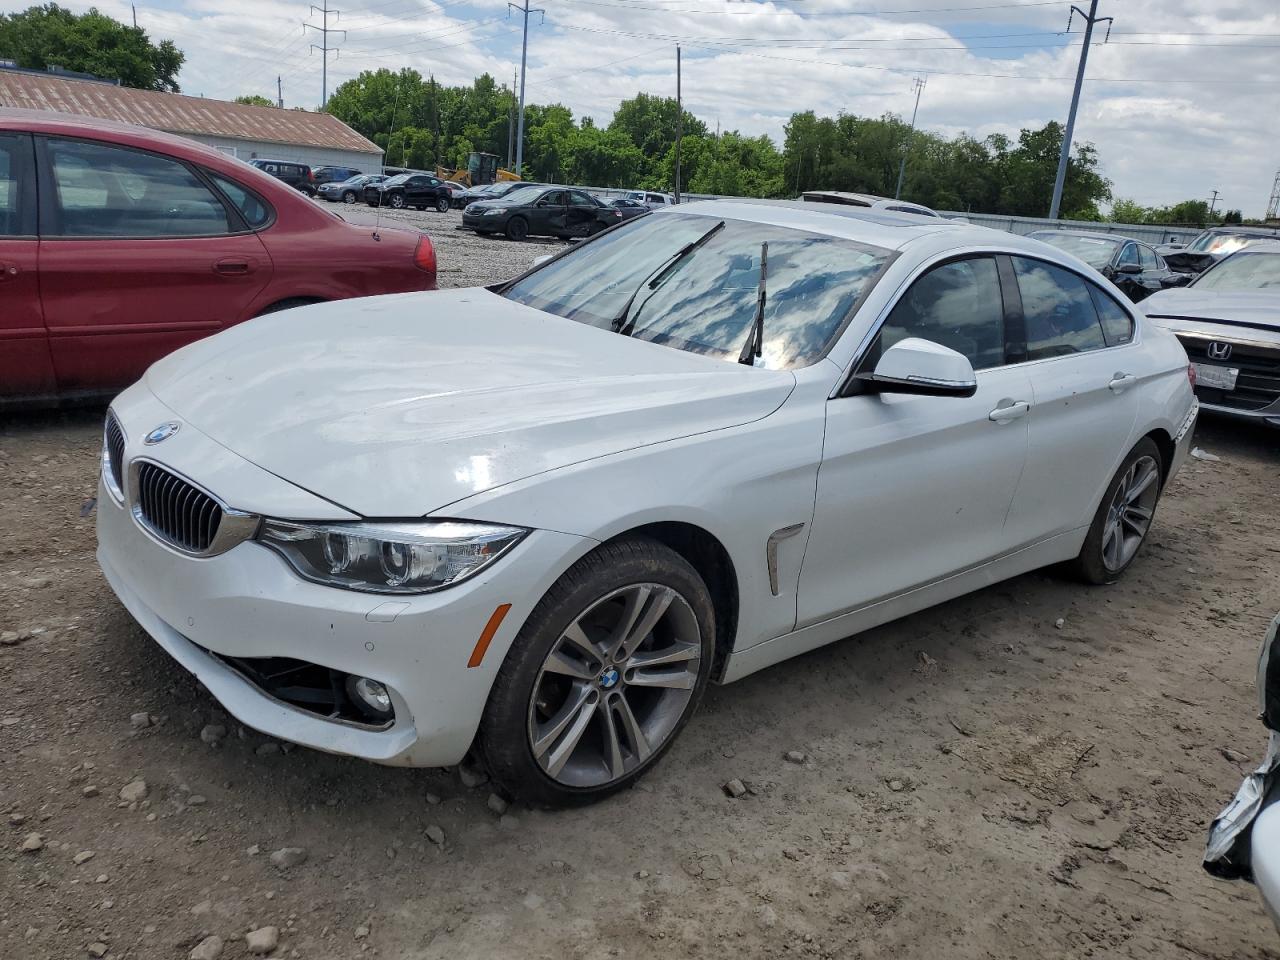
(397,406)
(1258,309)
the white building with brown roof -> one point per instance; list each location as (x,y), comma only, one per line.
(316,139)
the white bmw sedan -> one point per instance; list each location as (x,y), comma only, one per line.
(536,519)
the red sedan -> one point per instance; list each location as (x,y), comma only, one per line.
(119,244)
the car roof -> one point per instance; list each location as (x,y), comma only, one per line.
(1093,235)
(890,229)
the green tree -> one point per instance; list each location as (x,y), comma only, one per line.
(255,100)
(1128,211)
(650,123)
(50,35)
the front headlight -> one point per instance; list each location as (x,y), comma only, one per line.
(492,211)
(389,557)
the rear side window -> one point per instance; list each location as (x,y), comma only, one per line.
(15,185)
(579,199)
(1148,258)
(1117,325)
(1060,316)
(256,213)
(106,191)
(958,305)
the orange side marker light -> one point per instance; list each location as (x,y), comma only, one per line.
(486,635)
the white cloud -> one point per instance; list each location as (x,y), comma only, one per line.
(1170,132)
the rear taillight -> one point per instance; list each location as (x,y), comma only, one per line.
(424,256)
(311,175)
(1191,374)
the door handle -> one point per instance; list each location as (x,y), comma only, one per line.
(1011,410)
(8,270)
(1121,382)
(233,268)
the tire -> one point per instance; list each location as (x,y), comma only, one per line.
(349,197)
(1115,539)
(397,201)
(655,585)
(517,228)
(442,204)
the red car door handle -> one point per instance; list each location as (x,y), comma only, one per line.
(8,270)
(233,268)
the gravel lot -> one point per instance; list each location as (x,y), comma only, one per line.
(1026,772)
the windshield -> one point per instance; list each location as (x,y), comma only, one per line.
(1220,242)
(706,303)
(1244,271)
(357,179)
(1095,251)
(398,178)
(523,194)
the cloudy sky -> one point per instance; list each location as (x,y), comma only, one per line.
(1175,114)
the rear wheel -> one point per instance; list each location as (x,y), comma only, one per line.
(602,677)
(1124,517)
(517,228)
(442,204)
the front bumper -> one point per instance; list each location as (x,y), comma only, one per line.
(248,603)
(1268,415)
(496,222)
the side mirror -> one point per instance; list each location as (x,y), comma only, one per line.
(923,367)
(1130,268)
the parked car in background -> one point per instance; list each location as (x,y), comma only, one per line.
(296,175)
(455,189)
(419,191)
(559,507)
(867,200)
(1131,265)
(348,191)
(1212,245)
(541,212)
(323,175)
(142,242)
(492,191)
(628,208)
(1228,320)
(1244,840)
(650,199)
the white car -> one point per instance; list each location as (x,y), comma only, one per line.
(872,202)
(537,519)
(1228,320)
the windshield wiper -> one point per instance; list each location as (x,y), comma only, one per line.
(621,324)
(755,338)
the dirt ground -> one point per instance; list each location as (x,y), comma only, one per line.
(979,781)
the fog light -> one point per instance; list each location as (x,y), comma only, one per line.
(370,697)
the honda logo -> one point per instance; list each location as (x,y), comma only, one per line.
(1219,350)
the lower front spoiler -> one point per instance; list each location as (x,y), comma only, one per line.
(1227,854)
(256,709)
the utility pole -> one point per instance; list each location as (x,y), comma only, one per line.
(1213,203)
(679,122)
(324,47)
(1090,19)
(919,83)
(134,8)
(279,92)
(511,119)
(524,56)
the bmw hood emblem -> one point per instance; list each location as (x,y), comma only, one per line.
(161,433)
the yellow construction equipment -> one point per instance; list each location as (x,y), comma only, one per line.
(481,168)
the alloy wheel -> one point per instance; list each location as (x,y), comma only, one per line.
(615,685)
(1130,513)
(397,201)
(348,197)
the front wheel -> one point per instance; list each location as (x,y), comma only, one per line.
(517,228)
(397,201)
(349,197)
(603,675)
(442,204)
(1124,517)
